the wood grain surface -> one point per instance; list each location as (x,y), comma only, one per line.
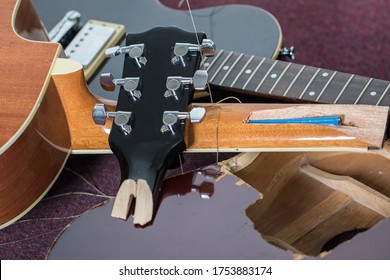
(224,128)
(78,102)
(25,68)
(35,141)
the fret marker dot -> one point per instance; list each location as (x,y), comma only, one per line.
(248,71)
(207,64)
(312,93)
(325,74)
(373,93)
(273,76)
(226,68)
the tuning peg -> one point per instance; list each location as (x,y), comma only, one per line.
(121,118)
(135,51)
(170,118)
(131,85)
(200,80)
(175,84)
(287,52)
(182,50)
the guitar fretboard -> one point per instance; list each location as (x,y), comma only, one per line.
(263,76)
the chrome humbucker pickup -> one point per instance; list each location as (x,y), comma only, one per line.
(89,44)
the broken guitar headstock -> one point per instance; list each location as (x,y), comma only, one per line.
(160,74)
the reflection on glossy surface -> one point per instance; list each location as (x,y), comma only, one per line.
(310,202)
(185,226)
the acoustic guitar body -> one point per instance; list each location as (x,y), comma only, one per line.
(34,139)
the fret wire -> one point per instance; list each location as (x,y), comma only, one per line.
(293,81)
(309,83)
(231,68)
(254,72)
(280,77)
(221,66)
(214,59)
(326,85)
(383,95)
(242,70)
(343,89)
(266,75)
(362,92)
(203,61)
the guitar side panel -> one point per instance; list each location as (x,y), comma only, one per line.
(27,23)
(30,166)
(24,73)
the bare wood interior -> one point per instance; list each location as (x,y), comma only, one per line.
(130,192)
(311,200)
(224,129)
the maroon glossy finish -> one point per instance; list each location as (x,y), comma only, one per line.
(201,216)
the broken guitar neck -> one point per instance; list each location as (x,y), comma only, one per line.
(150,130)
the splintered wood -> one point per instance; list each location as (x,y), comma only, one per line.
(311,198)
(127,193)
(353,188)
(224,128)
(358,121)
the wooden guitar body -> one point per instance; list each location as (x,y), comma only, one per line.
(35,141)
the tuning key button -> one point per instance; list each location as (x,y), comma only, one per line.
(175,84)
(197,114)
(135,51)
(121,118)
(170,118)
(131,85)
(207,47)
(99,114)
(200,80)
(107,81)
(182,51)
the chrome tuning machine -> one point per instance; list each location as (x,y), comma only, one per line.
(121,118)
(175,84)
(135,51)
(182,51)
(170,118)
(131,85)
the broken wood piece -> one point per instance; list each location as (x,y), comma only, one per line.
(123,199)
(224,128)
(139,192)
(358,191)
(144,205)
(314,217)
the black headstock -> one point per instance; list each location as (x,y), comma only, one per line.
(159,77)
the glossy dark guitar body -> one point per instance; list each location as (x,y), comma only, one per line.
(198,217)
(254,26)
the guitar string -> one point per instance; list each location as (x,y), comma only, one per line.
(208,85)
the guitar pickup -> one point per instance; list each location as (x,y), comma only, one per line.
(91,41)
(86,44)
